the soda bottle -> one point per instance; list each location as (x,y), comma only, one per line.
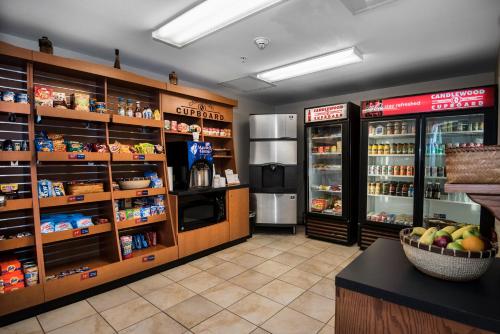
(410,190)
(437,191)
(428,190)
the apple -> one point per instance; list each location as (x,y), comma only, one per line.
(455,245)
(442,241)
(473,232)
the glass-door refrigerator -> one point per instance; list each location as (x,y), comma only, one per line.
(331,146)
(403,151)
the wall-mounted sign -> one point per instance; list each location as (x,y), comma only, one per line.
(470,98)
(196,108)
(325,113)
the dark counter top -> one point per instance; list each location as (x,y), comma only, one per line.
(205,190)
(383,271)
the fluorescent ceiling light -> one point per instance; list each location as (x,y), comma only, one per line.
(206,18)
(311,65)
(360,6)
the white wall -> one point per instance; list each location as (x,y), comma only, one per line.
(245,107)
(357,97)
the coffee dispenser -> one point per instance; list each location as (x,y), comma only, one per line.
(192,164)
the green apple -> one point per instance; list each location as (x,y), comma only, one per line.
(471,233)
(459,241)
(455,245)
(442,233)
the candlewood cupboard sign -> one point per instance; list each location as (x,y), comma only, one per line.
(196,108)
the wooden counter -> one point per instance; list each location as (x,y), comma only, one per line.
(382,292)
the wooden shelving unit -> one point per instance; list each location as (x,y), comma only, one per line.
(16,156)
(74,199)
(16,108)
(76,233)
(98,246)
(72,114)
(73,156)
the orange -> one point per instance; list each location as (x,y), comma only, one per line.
(473,244)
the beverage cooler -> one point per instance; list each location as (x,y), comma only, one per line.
(331,140)
(403,151)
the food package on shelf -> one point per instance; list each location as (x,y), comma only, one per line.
(59,100)
(44,189)
(43,96)
(81,188)
(9,266)
(58,144)
(126,246)
(58,189)
(80,101)
(319,204)
(145,148)
(73,146)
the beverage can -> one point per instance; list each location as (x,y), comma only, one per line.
(404,150)
(402,170)
(404,128)
(384,170)
(390,170)
(397,170)
(397,128)
(410,170)
(389,128)
(378,170)
(387,148)
(380,149)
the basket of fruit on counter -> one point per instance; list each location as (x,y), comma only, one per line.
(451,253)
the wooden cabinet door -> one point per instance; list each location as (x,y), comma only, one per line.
(238,213)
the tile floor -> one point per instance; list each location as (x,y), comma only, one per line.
(280,284)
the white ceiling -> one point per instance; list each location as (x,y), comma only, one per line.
(402,42)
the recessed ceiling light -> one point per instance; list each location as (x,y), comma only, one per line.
(311,65)
(206,18)
(360,6)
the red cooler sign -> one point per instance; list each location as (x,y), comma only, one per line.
(326,113)
(480,97)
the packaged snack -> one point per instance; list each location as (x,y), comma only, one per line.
(8,96)
(145,212)
(82,221)
(59,100)
(44,189)
(122,215)
(143,241)
(101,148)
(159,200)
(9,266)
(43,96)
(58,189)
(100,107)
(115,147)
(30,270)
(74,146)
(43,145)
(161,209)
(126,245)
(129,214)
(62,226)
(136,239)
(136,212)
(21,98)
(156,183)
(154,210)
(80,101)
(47,227)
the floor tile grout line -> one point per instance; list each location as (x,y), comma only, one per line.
(99,313)
(72,322)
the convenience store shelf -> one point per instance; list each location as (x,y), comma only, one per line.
(331,153)
(15,156)
(136,121)
(392,176)
(326,138)
(390,196)
(21,299)
(177,133)
(13,107)
(48,238)
(454,133)
(135,222)
(137,157)
(73,156)
(445,201)
(119,194)
(17,204)
(222,156)
(403,135)
(93,263)
(391,155)
(9,244)
(214,136)
(327,191)
(85,116)
(146,252)
(74,199)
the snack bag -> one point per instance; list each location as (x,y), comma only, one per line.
(45,189)
(58,189)
(43,96)
(126,245)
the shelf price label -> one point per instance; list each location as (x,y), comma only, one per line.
(139,157)
(148,258)
(88,274)
(141,220)
(74,156)
(77,198)
(81,231)
(142,193)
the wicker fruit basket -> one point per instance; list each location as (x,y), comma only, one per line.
(447,264)
(468,165)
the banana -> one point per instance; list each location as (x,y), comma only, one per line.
(418,231)
(458,233)
(428,237)
(450,229)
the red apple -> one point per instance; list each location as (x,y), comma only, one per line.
(442,241)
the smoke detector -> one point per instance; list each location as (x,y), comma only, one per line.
(261,42)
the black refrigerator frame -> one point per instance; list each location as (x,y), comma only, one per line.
(391,231)
(337,229)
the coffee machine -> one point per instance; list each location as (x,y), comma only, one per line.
(192,164)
